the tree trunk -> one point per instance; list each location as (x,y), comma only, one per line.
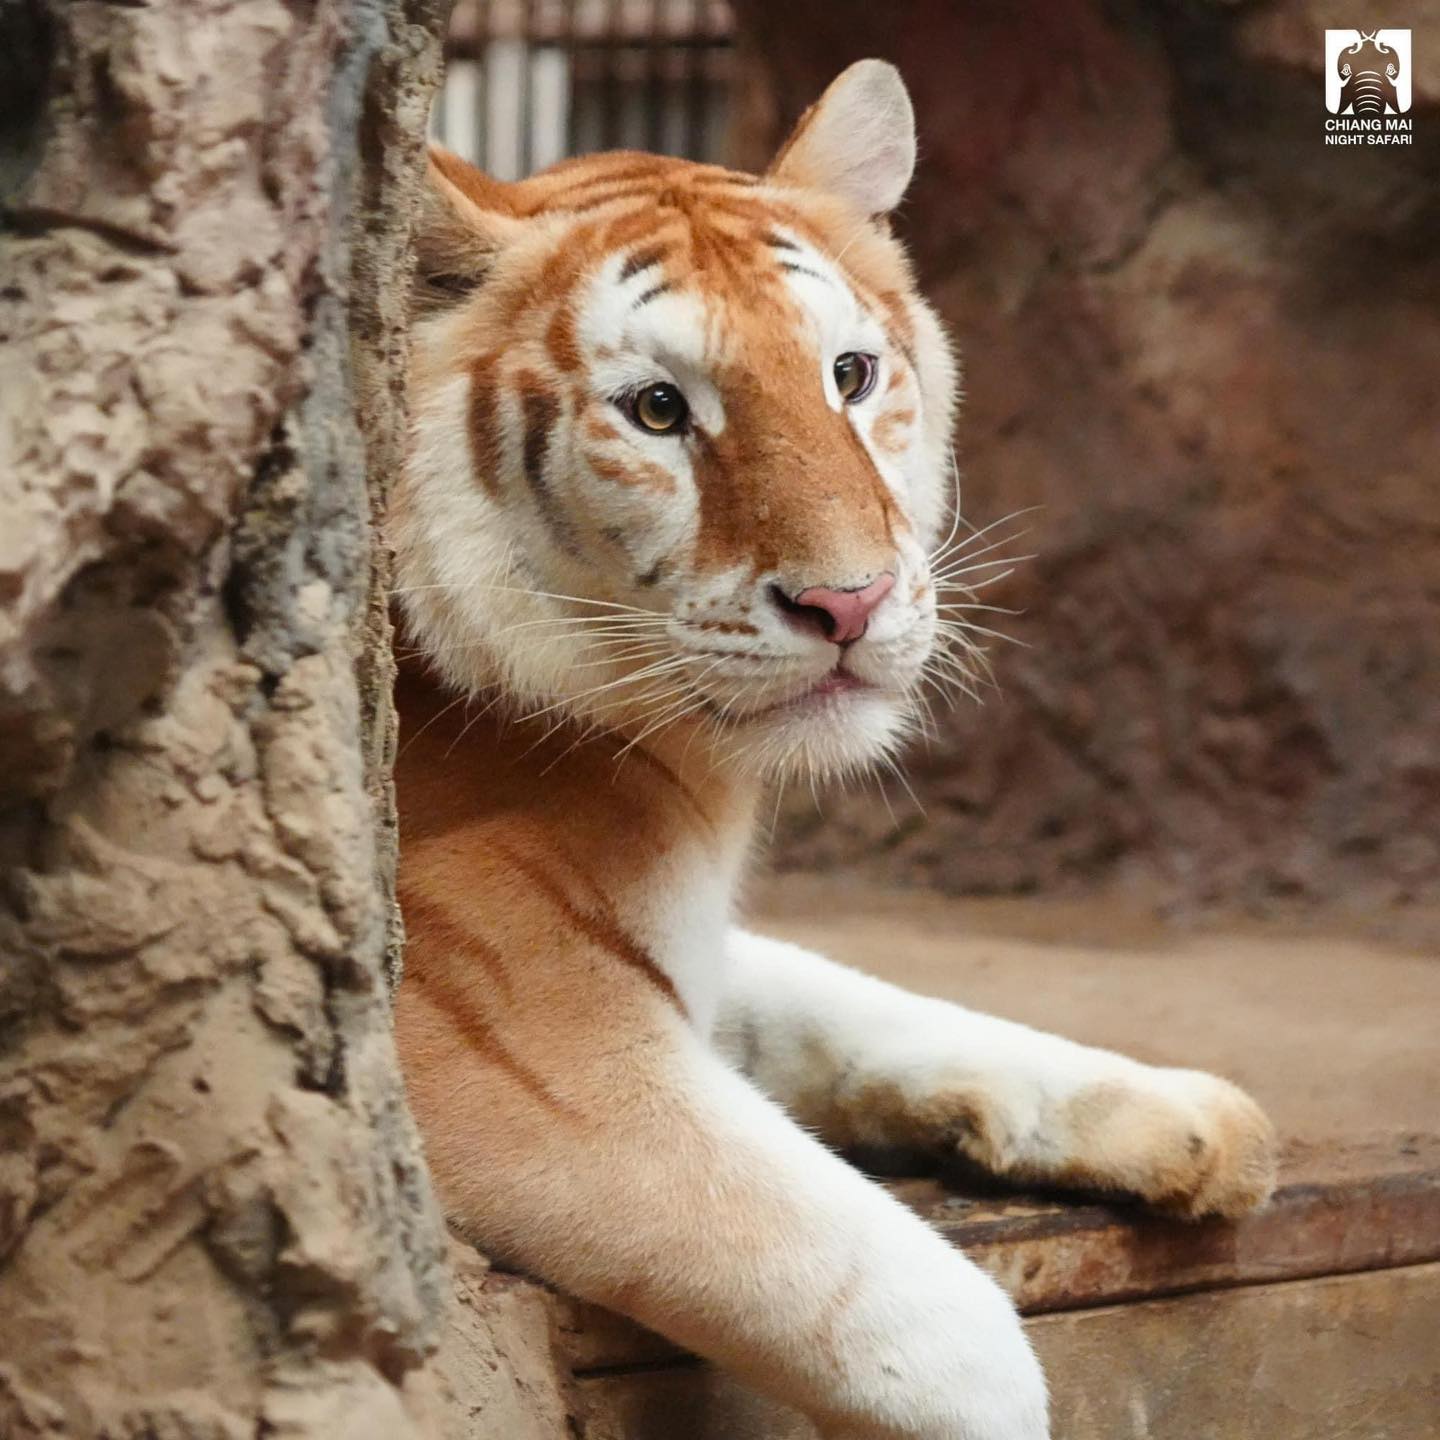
(214,1220)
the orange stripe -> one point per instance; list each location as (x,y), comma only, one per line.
(540,409)
(665,772)
(602,929)
(484,426)
(632,472)
(440,926)
(560,342)
(480,1036)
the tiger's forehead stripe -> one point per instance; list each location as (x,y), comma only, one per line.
(662,287)
(639,260)
(701,223)
(794,267)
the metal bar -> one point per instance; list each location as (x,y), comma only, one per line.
(610,91)
(655,55)
(525,158)
(481,129)
(695,78)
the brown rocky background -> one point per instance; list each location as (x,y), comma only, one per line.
(1207,347)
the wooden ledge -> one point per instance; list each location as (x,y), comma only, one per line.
(1365,1209)
(1337,1212)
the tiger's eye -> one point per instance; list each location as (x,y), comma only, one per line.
(854,375)
(660,409)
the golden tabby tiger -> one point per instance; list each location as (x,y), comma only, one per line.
(679,467)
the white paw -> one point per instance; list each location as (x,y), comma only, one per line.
(966,1371)
(1187,1142)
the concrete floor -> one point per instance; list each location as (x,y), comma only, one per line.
(1338,1037)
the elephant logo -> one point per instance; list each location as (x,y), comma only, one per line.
(1367,72)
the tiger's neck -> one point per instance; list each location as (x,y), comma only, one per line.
(650,835)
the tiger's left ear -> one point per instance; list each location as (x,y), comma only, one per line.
(464,222)
(857,141)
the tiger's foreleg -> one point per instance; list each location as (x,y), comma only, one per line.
(643,1173)
(866,1063)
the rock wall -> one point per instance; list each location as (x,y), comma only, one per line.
(214,1217)
(1205,348)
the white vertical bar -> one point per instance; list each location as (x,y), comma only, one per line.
(460,110)
(549,104)
(505,62)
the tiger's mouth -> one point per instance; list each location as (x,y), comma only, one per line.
(834,720)
(833,687)
(837,682)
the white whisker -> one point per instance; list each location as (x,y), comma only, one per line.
(890,763)
(525,590)
(944,552)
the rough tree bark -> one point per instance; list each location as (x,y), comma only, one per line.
(1205,345)
(214,1220)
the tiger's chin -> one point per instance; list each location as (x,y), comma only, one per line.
(829,732)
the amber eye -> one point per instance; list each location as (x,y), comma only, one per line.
(855,375)
(661,409)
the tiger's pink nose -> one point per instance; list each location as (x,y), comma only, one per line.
(840,615)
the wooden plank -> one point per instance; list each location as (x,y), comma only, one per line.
(1350,1357)
(684,1402)
(1063,1257)
(1336,1213)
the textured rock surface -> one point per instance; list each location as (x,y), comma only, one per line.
(1206,346)
(213,1216)
(403,70)
(501,1373)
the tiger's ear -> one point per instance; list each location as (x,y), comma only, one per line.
(856,141)
(465,221)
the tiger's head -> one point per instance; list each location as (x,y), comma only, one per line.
(681,442)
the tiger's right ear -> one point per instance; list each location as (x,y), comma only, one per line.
(856,141)
(465,221)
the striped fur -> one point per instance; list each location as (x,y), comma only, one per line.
(578,1006)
